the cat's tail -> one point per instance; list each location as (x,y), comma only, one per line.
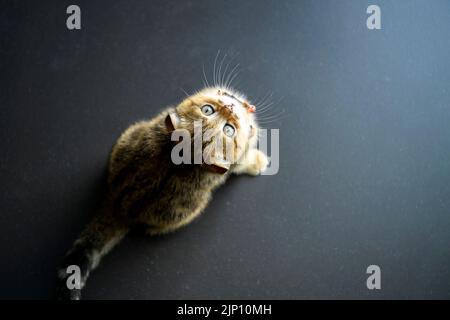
(96,240)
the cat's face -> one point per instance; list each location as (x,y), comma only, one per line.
(228,124)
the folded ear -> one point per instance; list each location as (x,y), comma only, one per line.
(250,108)
(220,168)
(172,121)
(216,165)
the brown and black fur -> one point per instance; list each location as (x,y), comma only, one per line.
(145,187)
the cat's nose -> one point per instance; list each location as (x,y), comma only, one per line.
(229,107)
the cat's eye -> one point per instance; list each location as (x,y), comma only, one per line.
(207,110)
(228,130)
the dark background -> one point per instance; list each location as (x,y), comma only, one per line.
(364,146)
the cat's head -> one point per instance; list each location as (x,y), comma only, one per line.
(228,125)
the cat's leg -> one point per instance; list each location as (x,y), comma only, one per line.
(253,163)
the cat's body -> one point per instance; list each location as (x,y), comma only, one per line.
(146,187)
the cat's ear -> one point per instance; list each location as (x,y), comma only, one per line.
(172,121)
(217,165)
(250,107)
(220,168)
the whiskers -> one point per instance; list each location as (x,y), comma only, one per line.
(184,91)
(224,73)
(266,111)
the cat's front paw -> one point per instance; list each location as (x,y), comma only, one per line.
(259,165)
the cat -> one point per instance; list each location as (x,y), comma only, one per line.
(146,187)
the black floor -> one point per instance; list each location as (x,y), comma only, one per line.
(364,145)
